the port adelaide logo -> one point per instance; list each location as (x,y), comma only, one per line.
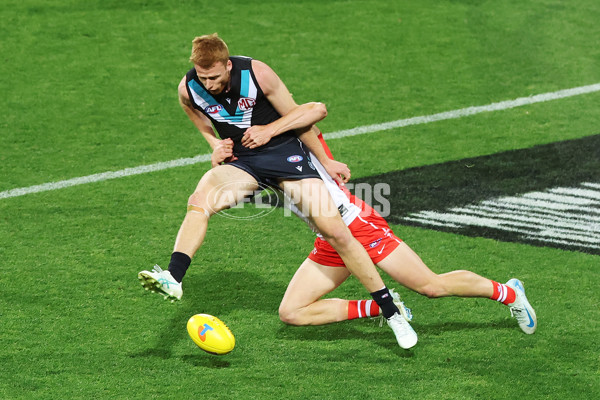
(546,195)
(246,103)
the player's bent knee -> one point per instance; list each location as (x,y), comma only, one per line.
(290,316)
(337,237)
(197,204)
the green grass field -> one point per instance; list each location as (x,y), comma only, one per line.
(90,87)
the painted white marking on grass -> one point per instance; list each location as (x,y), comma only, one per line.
(463,112)
(561,198)
(500,207)
(104,176)
(549,205)
(454,114)
(592,194)
(516,218)
(569,218)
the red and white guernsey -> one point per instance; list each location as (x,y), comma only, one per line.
(366,225)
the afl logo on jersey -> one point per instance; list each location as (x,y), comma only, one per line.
(246,103)
(213,109)
(294,159)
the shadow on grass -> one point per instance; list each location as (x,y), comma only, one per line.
(455,326)
(384,337)
(171,329)
(210,292)
(206,361)
(336,333)
(218,293)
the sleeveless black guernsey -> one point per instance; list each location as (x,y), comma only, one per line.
(234,111)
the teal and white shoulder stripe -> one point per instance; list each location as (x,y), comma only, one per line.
(241,118)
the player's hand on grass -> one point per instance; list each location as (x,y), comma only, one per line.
(223,152)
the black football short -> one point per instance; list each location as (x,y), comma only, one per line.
(285,161)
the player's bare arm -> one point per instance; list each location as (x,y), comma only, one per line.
(337,170)
(273,88)
(279,96)
(299,117)
(281,99)
(222,149)
(198,119)
(223,153)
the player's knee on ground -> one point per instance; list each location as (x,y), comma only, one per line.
(290,315)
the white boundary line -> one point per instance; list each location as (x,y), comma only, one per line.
(463,112)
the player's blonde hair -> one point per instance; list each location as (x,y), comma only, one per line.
(207,50)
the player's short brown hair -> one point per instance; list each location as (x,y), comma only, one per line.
(207,50)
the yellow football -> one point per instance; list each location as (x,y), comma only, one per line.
(210,334)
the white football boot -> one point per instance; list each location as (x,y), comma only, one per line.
(162,282)
(405,334)
(521,309)
(405,311)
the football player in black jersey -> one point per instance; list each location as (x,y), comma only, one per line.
(258,123)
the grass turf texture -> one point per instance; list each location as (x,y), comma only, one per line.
(90,87)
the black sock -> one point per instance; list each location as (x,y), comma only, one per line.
(179,264)
(384,300)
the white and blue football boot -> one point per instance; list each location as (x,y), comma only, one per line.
(405,311)
(161,282)
(405,334)
(521,309)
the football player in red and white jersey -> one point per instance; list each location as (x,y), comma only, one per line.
(239,100)
(323,271)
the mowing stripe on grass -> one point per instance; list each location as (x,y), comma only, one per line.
(463,112)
